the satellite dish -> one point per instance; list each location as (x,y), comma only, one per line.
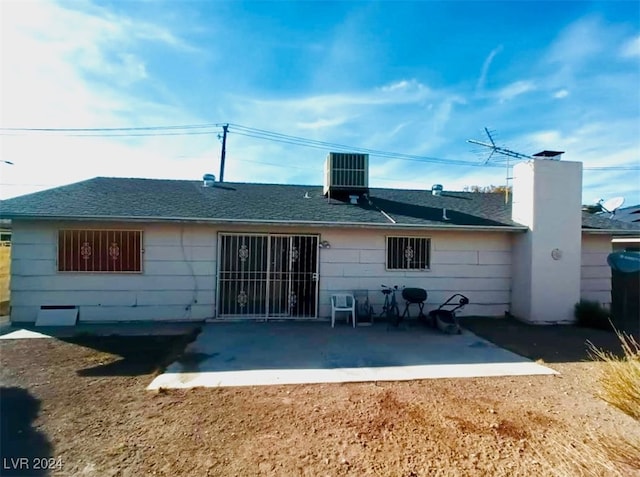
(625,262)
(611,205)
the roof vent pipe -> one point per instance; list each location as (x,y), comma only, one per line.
(436,189)
(208,180)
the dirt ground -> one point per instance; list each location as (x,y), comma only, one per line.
(82,404)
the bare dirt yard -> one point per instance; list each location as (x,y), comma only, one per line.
(81,403)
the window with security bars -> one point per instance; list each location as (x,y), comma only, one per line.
(408,253)
(100,251)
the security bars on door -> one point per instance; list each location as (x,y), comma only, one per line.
(264,275)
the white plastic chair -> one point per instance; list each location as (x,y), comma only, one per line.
(344,302)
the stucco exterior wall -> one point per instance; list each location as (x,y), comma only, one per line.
(177,282)
(546,198)
(180,272)
(521,274)
(595,274)
(476,264)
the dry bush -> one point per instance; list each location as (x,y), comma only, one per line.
(600,455)
(596,455)
(620,378)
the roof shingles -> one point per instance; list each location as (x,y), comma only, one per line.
(153,199)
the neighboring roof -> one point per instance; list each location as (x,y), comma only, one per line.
(628,214)
(595,222)
(166,200)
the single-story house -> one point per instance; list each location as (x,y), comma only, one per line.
(122,249)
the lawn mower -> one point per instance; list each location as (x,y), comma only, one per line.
(444,318)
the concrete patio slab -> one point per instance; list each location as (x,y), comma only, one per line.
(249,354)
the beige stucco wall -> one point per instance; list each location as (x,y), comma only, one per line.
(177,282)
(477,264)
(179,278)
(595,276)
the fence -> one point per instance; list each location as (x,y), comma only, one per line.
(5,276)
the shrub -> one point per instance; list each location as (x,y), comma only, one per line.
(591,314)
(620,379)
(596,454)
(592,455)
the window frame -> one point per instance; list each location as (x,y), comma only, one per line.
(139,254)
(428,243)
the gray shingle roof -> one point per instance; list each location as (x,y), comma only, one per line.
(602,221)
(629,214)
(152,199)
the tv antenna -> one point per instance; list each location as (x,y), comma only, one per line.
(500,150)
(508,153)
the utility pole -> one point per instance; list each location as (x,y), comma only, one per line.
(225,128)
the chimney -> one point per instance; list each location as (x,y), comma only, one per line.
(546,259)
(550,155)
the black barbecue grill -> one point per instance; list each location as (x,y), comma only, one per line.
(414,296)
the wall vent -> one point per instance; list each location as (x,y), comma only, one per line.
(346,173)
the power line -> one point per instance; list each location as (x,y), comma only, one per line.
(261,134)
(239,130)
(612,168)
(287,166)
(287,139)
(142,128)
(150,134)
(9,184)
(299,141)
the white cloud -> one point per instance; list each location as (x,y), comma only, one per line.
(590,144)
(549,139)
(321,123)
(78,158)
(69,67)
(405,116)
(405,86)
(399,85)
(54,48)
(631,49)
(91,66)
(515,89)
(364,108)
(485,68)
(578,42)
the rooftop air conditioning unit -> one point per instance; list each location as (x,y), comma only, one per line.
(346,173)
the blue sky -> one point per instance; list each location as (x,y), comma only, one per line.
(417,78)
